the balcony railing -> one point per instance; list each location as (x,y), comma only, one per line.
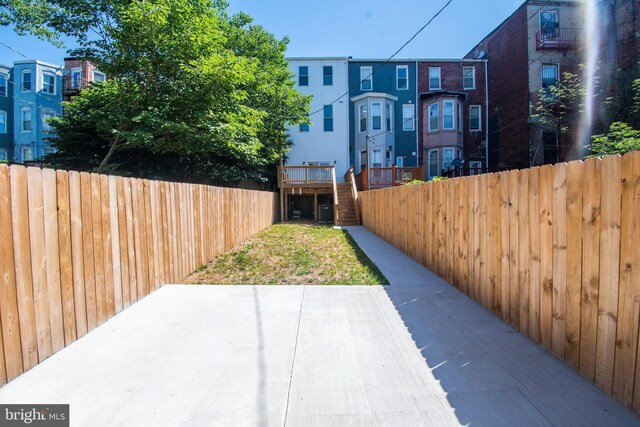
(76,84)
(305,176)
(373,178)
(558,38)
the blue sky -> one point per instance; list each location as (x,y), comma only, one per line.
(358,28)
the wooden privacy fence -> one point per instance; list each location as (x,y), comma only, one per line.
(553,250)
(77,248)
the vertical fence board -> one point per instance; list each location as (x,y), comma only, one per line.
(107,247)
(115,245)
(523,251)
(611,198)
(65,254)
(574,262)
(9,317)
(77,253)
(124,243)
(534,254)
(559,263)
(629,291)
(590,266)
(22,259)
(546,255)
(38,262)
(514,251)
(52,256)
(505,250)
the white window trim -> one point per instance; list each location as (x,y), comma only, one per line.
(6,125)
(473,77)
(390,116)
(479,107)
(325,75)
(439,78)
(78,70)
(413,118)
(446,149)
(22,111)
(23,149)
(437,172)
(555,11)
(453,114)
(381,115)
(400,161)
(437,104)
(360,159)
(366,70)
(366,125)
(104,75)
(398,68)
(22,73)
(6,84)
(555,65)
(373,157)
(55,83)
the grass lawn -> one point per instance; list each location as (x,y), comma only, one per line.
(293,254)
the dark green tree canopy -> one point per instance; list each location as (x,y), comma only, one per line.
(191,89)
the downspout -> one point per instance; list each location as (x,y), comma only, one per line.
(486,112)
(417,121)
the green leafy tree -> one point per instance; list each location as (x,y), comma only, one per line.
(620,139)
(192,92)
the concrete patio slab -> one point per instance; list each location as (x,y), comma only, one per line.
(416,352)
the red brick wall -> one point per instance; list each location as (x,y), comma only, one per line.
(451,80)
(627,24)
(507,53)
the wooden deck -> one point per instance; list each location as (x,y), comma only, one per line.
(373,178)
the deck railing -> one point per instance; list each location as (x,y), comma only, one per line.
(305,176)
(372,178)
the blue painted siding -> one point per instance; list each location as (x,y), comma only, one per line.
(6,105)
(38,102)
(384,81)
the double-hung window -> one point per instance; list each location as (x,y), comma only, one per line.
(447,115)
(303,75)
(3,84)
(327,75)
(475,122)
(366,78)
(26,80)
(25,119)
(328,118)
(76,77)
(49,83)
(387,115)
(376,158)
(434,78)
(402,77)
(3,122)
(304,127)
(434,112)
(376,116)
(408,113)
(45,121)
(99,76)
(469,78)
(364,115)
(550,77)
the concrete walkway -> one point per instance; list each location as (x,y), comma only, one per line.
(414,353)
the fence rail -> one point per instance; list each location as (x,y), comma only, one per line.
(552,250)
(77,248)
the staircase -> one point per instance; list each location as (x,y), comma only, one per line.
(346,209)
